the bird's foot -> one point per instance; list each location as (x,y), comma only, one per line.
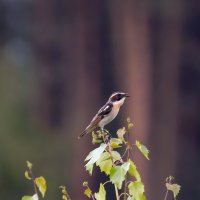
(105,135)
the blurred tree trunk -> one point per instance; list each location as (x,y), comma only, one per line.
(81,49)
(164,142)
(131,40)
(68,52)
(47,51)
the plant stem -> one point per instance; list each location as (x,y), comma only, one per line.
(116,192)
(126,178)
(123,194)
(128,157)
(166,195)
(34,184)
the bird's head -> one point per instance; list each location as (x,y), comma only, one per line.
(117,98)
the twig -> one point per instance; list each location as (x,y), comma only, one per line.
(166,195)
(128,157)
(106,182)
(116,193)
(124,194)
(34,184)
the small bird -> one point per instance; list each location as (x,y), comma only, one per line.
(107,113)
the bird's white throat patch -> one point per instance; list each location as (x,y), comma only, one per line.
(119,103)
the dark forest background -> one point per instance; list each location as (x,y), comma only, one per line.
(59,62)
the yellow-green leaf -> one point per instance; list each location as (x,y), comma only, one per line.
(105,166)
(121,132)
(34,197)
(115,142)
(101,195)
(118,173)
(175,188)
(143,149)
(136,190)
(88,192)
(105,162)
(29,165)
(133,170)
(27,175)
(104,156)
(115,155)
(27,198)
(64,197)
(89,168)
(41,184)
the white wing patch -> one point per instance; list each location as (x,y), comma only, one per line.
(107,107)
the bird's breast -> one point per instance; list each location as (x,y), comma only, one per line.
(107,119)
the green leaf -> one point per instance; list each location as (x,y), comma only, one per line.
(143,149)
(101,195)
(115,142)
(29,165)
(106,166)
(27,175)
(115,155)
(136,190)
(118,173)
(104,156)
(89,168)
(105,163)
(88,192)
(120,133)
(34,197)
(133,170)
(41,184)
(95,155)
(175,188)
(27,198)
(142,197)
(64,197)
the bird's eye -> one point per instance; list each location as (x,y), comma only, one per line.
(119,96)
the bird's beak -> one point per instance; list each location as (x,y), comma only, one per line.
(126,95)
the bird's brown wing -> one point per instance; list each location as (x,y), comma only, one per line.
(92,126)
(106,109)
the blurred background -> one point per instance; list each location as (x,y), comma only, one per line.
(59,62)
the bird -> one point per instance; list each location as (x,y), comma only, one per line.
(107,113)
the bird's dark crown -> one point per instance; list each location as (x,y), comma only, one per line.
(117,96)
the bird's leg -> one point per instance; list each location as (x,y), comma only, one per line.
(104,131)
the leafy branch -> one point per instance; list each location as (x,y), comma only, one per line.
(39,183)
(117,167)
(65,195)
(175,188)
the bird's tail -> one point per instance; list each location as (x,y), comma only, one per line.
(89,129)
